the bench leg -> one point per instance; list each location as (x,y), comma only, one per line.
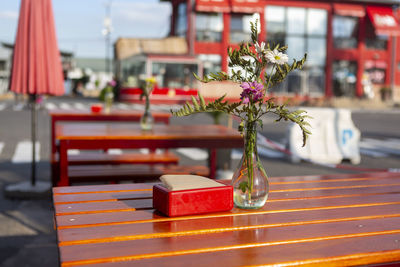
(212,162)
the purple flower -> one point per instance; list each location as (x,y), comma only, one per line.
(252,92)
(112,83)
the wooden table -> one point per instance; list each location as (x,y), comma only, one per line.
(88,116)
(308,220)
(130,136)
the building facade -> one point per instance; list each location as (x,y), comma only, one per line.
(352,46)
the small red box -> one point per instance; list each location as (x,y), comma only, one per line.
(193,201)
(96,108)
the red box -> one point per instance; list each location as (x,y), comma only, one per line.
(193,201)
(96,108)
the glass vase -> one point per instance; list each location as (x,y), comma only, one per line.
(146,121)
(108,101)
(250,181)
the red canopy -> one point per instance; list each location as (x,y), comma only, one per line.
(383,20)
(37,67)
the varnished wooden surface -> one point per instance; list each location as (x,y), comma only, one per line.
(122,131)
(115,112)
(308,220)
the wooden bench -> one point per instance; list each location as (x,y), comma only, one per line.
(139,172)
(99,159)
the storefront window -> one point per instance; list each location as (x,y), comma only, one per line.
(240,30)
(375,71)
(296,21)
(132,70)
(344,78)
(174,75)
(181,20)
(345,32)
(303,30)
(2,65)
(209,27)
(211,63)
(276,24)
(378,42)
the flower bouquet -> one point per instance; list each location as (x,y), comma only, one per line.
(260,68)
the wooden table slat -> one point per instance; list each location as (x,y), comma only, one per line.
(240,238)
(335,252)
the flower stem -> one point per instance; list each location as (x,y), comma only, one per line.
(249,151)
(269,79)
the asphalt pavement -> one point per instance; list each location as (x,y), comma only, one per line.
(27,236)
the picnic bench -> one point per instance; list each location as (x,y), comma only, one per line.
(96,158)
(341,220)
(103,135)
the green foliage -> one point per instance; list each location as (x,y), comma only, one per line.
(254,64)
(243,186)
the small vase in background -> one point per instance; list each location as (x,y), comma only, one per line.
(250,181)
(108,96)
(108,101)
(147,121)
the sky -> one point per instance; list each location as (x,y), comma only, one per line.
(79,23)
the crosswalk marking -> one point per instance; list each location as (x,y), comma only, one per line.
(65,106)
(193,153)
(80,106)
(73,152)
(23,152)
(50,106)
(1,146)
(387,146)
(114,151)
(122,106)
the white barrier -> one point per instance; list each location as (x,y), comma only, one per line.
(334,137)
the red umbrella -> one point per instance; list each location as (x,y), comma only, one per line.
(37,67)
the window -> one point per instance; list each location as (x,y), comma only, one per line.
(181,20)
(132,71)
(2,65)
(376,71)
(174,75)
(345,32)
(209,27)
(344,78)
(303,30)
(276,21)
(240,27)
(373,41)
(211,63)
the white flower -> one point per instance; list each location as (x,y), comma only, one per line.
(277,57)
(260,48)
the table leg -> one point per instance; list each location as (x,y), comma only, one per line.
(212,162)
(63,161)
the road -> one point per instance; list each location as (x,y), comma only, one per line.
(27,237)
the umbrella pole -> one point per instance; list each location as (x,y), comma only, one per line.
(33,136)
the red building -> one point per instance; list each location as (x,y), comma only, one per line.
(352,46)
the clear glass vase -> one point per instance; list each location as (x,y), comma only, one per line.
(108,101)
(250,181)
(146,121)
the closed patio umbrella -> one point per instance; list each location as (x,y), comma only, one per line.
(36,67)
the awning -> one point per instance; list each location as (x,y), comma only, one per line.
(349,10)
(383,20)
(237,6)
(213,6)
(247,6)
